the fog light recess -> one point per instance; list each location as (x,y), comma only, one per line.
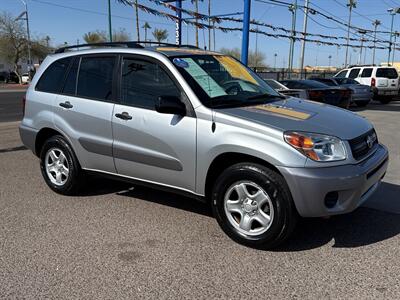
(331,199)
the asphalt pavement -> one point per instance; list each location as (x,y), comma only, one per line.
(119,241)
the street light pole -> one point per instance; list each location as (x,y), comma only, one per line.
(352,4)
(245,32)
(376,24)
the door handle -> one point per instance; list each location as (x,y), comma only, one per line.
(66,105)
(124,116)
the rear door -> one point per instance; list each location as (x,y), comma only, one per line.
(365,76)
(150,146)
(353,74)
(83,111)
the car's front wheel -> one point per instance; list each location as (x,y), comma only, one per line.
(60,167)
(253,205)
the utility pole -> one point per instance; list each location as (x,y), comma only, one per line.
(197,20)
(137,21)
(303,42)
(396,34)
(275,55)
(245,32)
(26,18)
(109,20)
(393,12)
(352,4)
(362,32)
(376,24)
(293,9)
(330,60)
(256,54)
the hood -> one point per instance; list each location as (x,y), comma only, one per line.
(303,115)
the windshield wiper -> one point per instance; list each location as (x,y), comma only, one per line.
(267,96)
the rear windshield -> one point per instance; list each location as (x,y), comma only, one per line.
(274,84)
(390,73)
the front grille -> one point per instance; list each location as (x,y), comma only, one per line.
(362,145)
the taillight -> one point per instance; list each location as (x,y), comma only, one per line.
(23,106)
(373,82)
(315,94)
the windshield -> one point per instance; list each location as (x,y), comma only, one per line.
(221,80)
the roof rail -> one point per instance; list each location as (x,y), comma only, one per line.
(366,65)
(129,44)
(105,44)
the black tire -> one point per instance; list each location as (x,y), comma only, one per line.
(362,104)
(74,181)
(385,100)
(285,215)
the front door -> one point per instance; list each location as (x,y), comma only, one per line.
(150,146)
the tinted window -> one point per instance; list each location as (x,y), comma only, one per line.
(367,72)
(390,73)
(329,82)
(275,84)
(354,73)
(143,82)
(342,74)
(346,81)
(95,77)
(52,79)
(70,82)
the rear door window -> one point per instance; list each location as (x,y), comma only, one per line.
(367,72)
(390,73)
(70,82)
(52,79)
(354,73)
(95,77)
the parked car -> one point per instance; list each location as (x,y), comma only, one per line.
(361,93)
(201,124)
(320,92)
(384,81)
(280,88)
(8,77)
(25,78)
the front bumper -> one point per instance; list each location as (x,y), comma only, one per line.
(354,184)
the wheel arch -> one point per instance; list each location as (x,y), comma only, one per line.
(227,159)
(43,135)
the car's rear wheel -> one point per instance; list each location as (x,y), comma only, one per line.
(60,167)
(253,205)
(362,103)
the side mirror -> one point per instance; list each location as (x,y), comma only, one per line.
(170,105)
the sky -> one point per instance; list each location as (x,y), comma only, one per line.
(68,20)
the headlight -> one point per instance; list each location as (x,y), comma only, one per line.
(318,147)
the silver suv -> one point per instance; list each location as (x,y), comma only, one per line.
(202,124)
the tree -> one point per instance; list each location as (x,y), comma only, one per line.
(255,59)
(95,37)
(145,27)
(121,35)
(160,35)
(129,3)
(13,44)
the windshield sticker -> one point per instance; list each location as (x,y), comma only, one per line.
(207,83)
(179,62)
(235,69)
(287,112)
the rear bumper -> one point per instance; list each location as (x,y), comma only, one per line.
(364,97)
(354,184)
(28,136)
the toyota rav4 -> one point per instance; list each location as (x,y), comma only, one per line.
(202,124)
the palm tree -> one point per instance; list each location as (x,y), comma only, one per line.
(94,37)
(145,27)
(160,35)
(129,3)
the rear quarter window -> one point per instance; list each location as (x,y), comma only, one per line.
(52,79)
(390,73)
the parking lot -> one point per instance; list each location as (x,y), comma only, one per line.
(122,241)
